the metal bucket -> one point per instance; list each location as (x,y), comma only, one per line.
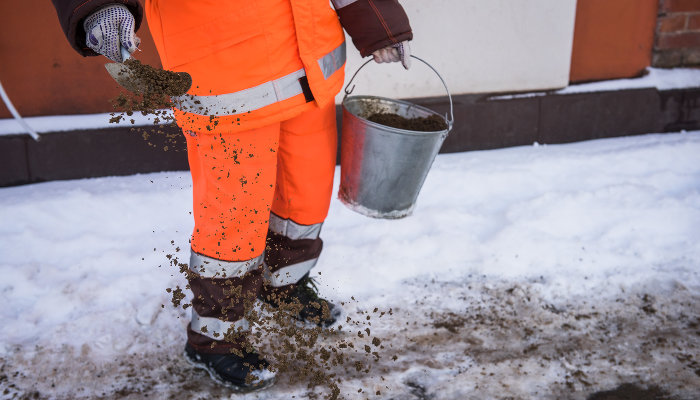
(382,168)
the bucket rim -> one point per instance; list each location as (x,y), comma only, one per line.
(450,120)
(393,129)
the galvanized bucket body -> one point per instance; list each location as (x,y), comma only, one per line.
(383,168)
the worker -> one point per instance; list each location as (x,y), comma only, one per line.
(260,126)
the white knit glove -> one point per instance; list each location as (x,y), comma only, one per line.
(394,53)
(110,28)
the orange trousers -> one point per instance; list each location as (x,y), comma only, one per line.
(240,177)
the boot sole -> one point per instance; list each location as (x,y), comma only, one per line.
(216,378)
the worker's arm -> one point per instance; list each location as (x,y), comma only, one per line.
(377,27)
(72,15)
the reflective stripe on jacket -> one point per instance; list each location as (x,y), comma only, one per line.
(260,54)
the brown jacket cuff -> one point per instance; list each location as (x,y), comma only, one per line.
(71,14)
(374,24)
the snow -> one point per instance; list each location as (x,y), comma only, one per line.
(658,78)
(661,79)
(62,123)
(544,271)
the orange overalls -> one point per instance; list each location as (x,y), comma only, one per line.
(261,139)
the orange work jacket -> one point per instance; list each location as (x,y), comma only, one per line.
(252,62)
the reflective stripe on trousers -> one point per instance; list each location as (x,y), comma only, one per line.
(292,230)
(217,285)
(207,267)
(214,328)
(290,274)
(260,96)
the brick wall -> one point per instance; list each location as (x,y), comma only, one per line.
(677,34)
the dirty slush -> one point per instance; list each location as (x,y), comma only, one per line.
(304,354)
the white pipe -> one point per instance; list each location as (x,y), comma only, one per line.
(15,114)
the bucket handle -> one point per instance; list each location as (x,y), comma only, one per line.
(450,120)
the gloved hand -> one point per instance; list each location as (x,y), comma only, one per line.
(110,28)
(394,53)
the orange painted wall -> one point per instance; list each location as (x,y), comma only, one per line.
(612,38)
(42,74)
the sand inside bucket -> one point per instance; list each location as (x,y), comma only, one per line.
(431,123)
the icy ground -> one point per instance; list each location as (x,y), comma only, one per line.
(538,272)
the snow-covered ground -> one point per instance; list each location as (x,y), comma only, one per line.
(537,272)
